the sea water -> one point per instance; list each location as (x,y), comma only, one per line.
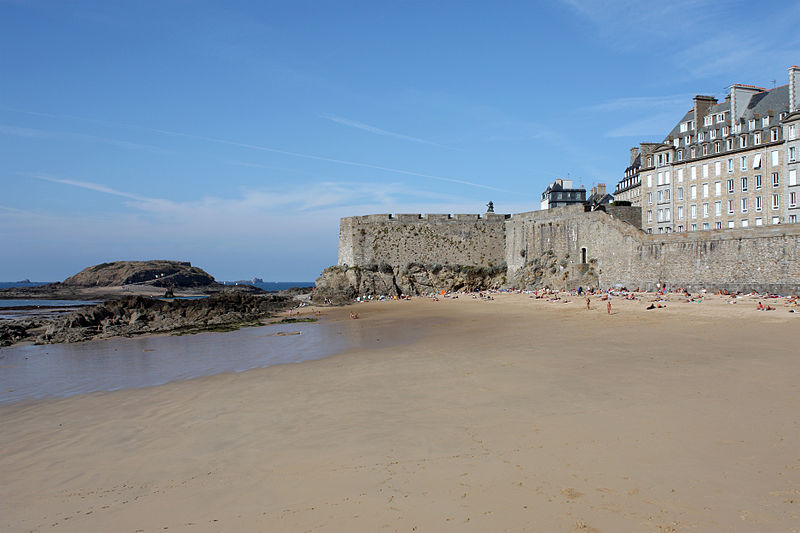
(59,370)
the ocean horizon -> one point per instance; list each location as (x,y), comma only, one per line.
(264,285)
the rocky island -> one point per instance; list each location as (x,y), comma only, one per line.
(140,297)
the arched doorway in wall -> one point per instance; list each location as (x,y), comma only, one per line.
(583,256)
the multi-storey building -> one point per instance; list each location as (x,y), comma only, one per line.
(561,193)
(628,189)
(727,164)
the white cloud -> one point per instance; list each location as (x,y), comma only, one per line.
(33,133)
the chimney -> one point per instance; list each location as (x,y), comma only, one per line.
(634,154)
(599,190)
(702,107)
(740,97)
(794,88)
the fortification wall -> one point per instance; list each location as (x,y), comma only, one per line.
(763,258)
(397,240)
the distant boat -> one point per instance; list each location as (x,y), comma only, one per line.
(26,280)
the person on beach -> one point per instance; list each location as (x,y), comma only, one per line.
(608,307)
(588,304)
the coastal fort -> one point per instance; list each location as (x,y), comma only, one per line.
(713,206)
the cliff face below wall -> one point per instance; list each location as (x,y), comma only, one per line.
(341,284)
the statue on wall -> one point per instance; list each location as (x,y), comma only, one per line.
(490,207)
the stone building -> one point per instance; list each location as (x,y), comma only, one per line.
(561,193)
(725,164)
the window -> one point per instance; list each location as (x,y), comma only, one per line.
(693,152)
(666,195)
(793,219)
(774,135)
(745,222)
(775,158)
(717,209)
(661,215)
(666,177)
(792,132)
(693,227)
(717,168)
(684,126)
(717,188)
(676,142)
(758,181)
(680,228)
(757,137)
(751,124)
(705,225)
(660,178)
(649,216)
(730,165)
(687,139)
(776,179)
(707,120)
(660,196)
(680,175)
(649,180)
(680,212)
(743,161)
(756,161)
(759,222)
(705,171)
(793,199)
(725,130)
(793,177)
(744,205)
(730,186)
(650,198)
(743,141)
(758,203)
(776,220)
(729,143)
(705,190)
(693,172)
(701,136)
(731,224)
(730,207)
(776,201)
(717,225)
(712,134)
(720,117)
(667,214)
(680,155)
(717,147)
(705,210)
(705,149)
(693,192)
(693,211)
(680,193)
(744,183)
(792,153)
(765,122)
(650,161)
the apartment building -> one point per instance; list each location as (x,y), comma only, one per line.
(729,164)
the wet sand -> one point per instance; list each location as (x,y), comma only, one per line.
(507,415)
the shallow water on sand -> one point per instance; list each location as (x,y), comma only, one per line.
(58,370)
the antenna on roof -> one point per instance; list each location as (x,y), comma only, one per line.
(773,83)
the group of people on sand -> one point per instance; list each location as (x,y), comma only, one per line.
(762,307)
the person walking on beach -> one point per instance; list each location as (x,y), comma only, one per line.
(608,306)
(588,303)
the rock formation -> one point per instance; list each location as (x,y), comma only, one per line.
(158,273)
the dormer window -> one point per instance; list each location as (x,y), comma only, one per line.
(725,130)
(707,120)
(782,115)
(676,142)
(757,137)
(684,127)
(720,117)
(649,161)
(687,139)
(743,141)
(705,149)
(773,134)
(701,136)
(752,124)
(765,122)
(680,155)
(693,152)
(729,143)
(717,147)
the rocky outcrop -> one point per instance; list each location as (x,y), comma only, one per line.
(158,273)
(340,284)
(551,271)
(136,315)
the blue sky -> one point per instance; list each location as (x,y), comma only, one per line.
(235,134)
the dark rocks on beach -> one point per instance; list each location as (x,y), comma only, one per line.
(157,273)
(135,315)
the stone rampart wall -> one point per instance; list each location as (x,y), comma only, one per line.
(397,240)
(763,258)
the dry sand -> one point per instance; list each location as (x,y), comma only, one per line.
(508,415)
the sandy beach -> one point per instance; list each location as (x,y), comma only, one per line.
(513,414)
